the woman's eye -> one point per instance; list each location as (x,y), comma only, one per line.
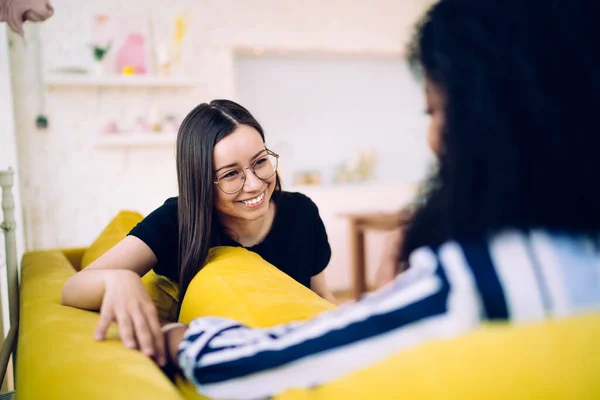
(261,161)
(230,174)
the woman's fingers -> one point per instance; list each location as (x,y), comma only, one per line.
(127,303)
(142,332)
(157,335)
(106,318)
(138,329)
(126,329)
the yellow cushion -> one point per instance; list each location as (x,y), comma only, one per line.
(163,292)
(58,357)
(239,284)
(114,232)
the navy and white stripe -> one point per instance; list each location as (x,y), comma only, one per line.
(446,292)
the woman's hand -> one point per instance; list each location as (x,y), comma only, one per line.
(319,286)
(127,303)
(173,334)
(389,266)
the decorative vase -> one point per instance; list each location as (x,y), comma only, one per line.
(132,54)
(98,68)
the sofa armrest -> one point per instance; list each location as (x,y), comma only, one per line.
(57,355)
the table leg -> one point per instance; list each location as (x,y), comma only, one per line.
(357,247)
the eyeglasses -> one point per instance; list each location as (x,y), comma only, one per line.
(232,181)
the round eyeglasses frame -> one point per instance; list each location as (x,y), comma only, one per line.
(251,168)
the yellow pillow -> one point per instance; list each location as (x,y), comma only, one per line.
(163,292)
(114,232)
(237,283)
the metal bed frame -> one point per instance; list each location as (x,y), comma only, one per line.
(8,226)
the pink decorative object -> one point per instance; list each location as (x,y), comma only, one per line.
(170,124)
(110,128)
(128,37)
(141,126)
(132,55)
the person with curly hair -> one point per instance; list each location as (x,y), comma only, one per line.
(509,229)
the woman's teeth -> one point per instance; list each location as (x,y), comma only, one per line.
(254,200)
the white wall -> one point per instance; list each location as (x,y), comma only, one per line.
(70,188)
(321,112)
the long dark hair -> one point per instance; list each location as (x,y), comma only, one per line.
(521,140)
(198,134)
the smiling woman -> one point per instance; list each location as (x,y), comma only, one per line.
(238,201)
(229,195)
(232,179)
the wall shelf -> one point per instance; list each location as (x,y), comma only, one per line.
(74,80)
(126,140)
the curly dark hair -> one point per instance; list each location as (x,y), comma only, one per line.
(521,79)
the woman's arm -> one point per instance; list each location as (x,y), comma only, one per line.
(322,253)
(86,288)
(112,284)
(319,286)
(225,359)
(391,264)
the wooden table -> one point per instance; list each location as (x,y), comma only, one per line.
(360,223)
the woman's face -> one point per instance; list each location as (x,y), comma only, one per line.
(436,109)
(237,151)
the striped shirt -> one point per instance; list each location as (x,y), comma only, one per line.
(450,290)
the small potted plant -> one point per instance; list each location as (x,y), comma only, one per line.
(99,53)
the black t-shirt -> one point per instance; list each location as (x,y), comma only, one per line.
(296,244)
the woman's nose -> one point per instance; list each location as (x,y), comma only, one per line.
(252,182)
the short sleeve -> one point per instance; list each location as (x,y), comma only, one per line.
(160,231)
(322,250)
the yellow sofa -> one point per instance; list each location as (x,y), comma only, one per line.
(59,359)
